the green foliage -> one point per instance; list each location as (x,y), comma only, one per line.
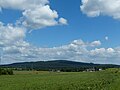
(4,71)
(62,65)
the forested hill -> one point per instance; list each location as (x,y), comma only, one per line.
(59,65)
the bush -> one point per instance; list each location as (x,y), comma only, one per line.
(6,71)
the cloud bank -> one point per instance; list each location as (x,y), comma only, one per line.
(94,8)
(77,50)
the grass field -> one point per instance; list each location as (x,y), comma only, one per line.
(32,80)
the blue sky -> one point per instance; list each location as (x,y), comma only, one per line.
(81,25)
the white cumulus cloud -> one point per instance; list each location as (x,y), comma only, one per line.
(96,43)
(94,8)
(10,34)
(63,21)
(106,38)
(36,13)
(22,4)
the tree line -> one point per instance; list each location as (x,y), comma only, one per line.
(6,71)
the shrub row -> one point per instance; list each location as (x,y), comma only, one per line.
(6,71)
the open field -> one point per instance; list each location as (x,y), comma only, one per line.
(33,80)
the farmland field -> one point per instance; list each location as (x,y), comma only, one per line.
(33,80)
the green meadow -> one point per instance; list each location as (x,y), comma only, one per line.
(41,80)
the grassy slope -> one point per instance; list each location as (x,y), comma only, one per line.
(104,80)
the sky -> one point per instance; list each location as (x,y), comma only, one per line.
(76,30)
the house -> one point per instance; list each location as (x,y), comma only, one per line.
(91,70)
(53,70)
(100,69)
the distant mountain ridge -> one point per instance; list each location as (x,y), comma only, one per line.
(59,65)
